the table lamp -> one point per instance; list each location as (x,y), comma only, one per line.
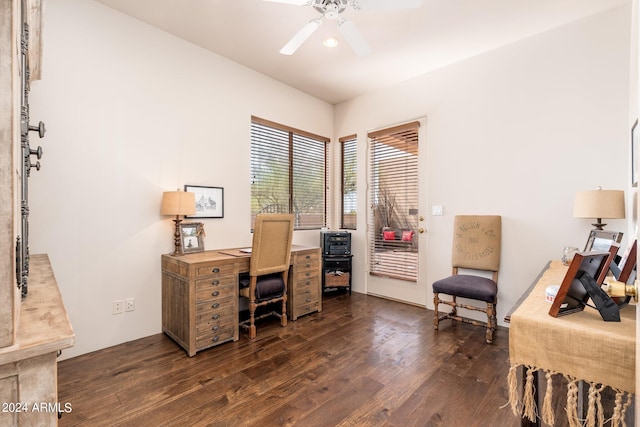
(599,204)
(178,203)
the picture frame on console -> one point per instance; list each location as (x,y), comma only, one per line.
(601,240)
(209,201)
(191,237)
(582,282)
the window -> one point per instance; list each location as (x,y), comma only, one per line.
(393,242)
(288,173)
(349,212)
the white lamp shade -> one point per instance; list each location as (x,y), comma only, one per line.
(178,203)
(599,204)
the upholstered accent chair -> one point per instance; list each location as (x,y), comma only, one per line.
(269,267)
(476,253)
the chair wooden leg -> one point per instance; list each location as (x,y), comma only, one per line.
(252,320)
(436,301)
(283,318)
(491,322)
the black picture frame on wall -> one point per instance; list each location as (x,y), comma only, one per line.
(209,201)
(634,154)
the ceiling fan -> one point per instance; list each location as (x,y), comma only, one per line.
(331,10)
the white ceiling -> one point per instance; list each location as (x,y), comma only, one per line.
(405,43)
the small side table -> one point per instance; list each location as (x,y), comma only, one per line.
(336,272)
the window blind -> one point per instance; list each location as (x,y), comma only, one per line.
(288,173)
(349,189)
(393,241)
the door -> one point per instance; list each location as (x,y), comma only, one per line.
(396,219)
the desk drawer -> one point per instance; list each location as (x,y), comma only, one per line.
(306,264)
(217,305)
(209,323)
(215,337)
(214,269)
(304,293)
(308,256)
(305,283)
(303,276)
(302,308)
(215,288)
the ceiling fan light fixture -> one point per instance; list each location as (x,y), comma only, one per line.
(330,41)
(332,10)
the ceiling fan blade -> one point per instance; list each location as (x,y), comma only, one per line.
(296,2)
(354,38)
(386,4)
(300,37)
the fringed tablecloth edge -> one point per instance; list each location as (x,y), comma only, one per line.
(526,406)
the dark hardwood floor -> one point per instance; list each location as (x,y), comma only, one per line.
(362,361)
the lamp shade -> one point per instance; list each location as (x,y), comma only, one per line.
(178,203)
(599,204)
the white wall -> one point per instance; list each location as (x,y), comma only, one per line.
(131,112)
(516,132)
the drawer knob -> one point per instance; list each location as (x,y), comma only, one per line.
(215,339)
(215,282)
(308,300)
(215,270)
(308,257)
(215,328)
(308,282)
(215,316)
(308,274)
(216,305)
(215,293)
(308,291)
(307,265)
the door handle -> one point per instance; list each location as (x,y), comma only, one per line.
(421,230)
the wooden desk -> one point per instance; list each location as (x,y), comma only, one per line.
(200,293)
(580,346)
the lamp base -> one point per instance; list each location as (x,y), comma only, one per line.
(176,237)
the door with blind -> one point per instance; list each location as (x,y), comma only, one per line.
(396,215)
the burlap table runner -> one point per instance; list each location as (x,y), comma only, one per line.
(580,346)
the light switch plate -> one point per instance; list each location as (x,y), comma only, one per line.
(437,210)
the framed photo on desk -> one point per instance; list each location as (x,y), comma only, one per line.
(191,237)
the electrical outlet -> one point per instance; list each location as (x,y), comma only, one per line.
(131,304)
(117,307)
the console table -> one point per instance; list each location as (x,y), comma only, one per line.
(28,369)
(580,346)
(200,293)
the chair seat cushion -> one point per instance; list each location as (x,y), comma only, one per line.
(468,286)
(267,287)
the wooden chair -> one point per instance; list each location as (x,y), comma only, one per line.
(269,267)
(476,249)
